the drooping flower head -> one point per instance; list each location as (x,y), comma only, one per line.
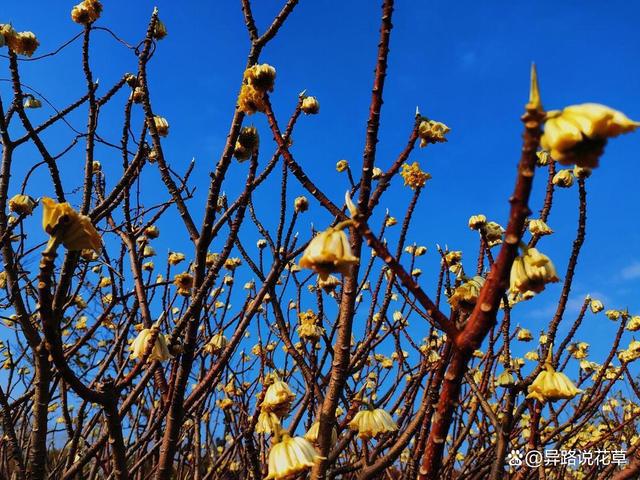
(329,252)
(579,133)
(290,457)
(75,231)
(550,385)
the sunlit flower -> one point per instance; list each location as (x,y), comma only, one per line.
(22,43)
(31,102)
(531,272)
(579,133)
(184,282)
(539,227)
(563,179)
(312,434)
(86,12)
(596,306)
(550,385)
(493,233)
(22,204)
(152,231)
(431,131)
(162,125)
(251,100)
(278,398)
(75,231)
(371,423)
(268,422)
(290,457)
(476,222)
(175,258)
(159,352)
(413,176)
(466,295)
(342,166)
(329,252)
(505,379)
(524,335)
(308,328)
(310,105)
(633,325)
(261,77)
(216,343)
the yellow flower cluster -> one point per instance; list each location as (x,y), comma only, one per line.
(466,295)
(578,134)
(550,385)
(216,343)
(184,282)
(257,80)
(75,231)
(531,272)
(247,143)
(278,398)
(431,131)
(310,105)
(86,12)
(290,457)
(329,252)
(22,43)
(22,204)
(159,352)
(370,423)
(413,176)
(308,328)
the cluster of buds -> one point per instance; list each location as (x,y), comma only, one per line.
(257,81)
(431,131)
(308,326)
(86,12)
(531,271)
(22,43)
(247,143)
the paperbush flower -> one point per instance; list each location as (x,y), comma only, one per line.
(579,133)
(465,296)
(75,231)
(312,434)
(159,351)
(216,343)
(290,457)
(413,176)
(329,252)
(310,105)
(86,12)
(372,422)
(22,204)
(278,398)
(268,422)
(531,272)
(431,131)
(550,385)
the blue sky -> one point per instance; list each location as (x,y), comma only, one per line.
(465,64)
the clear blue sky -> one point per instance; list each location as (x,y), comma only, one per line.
(466,64)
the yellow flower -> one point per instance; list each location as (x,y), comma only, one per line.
(550,385)
(493,233)
(162,125)
(175,258)
(342,165)
(538,227)
(290,457)
(476,222)
(391,221)
(216,343)
(465,296)
(75,231)
(184,282)
(22,43)
(22,204)
(633,325)
(578,134)
(31,102)
(86,12)
(301,204)
(160,350)
(563,179)
(328,284)
(413,176)
(505,379)
(431,131)
(310,105)
(250,100)
(329,252)
(524,335)
(81,324)
(531,272)
(312,434)
(268,422)
(225,403)
(371,423)
(260,77)
(278,398)
(308,328)
(247,143)
(152,231)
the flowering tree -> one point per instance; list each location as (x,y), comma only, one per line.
(332,360)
